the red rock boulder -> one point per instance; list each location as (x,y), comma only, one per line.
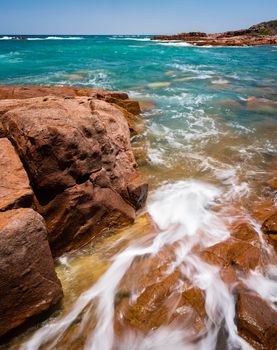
(79,160)
(28,282)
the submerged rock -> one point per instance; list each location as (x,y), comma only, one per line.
(256,320)
(261,105)
(28,281)
(269,228)
(242,251)
(272,182)
(159,84)
(157,297)
(270,225)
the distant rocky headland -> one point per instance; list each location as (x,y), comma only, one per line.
(260,34)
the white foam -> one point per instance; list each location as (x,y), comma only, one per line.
(265,286)
(220,81)
(189,200)
(64,38)
(7,38)
(42,38)
(176,44)
(130,38)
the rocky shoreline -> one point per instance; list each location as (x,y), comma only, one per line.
(68,174)
(258,35)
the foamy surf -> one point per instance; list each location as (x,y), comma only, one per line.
(7,38)
(180,210)
(174,44)
(41,38)
(130,38)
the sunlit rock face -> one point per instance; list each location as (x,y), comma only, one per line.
(15,191)
(29,284)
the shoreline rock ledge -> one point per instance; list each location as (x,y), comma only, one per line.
(68,174)
(258,35)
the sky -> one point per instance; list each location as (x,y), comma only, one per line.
(131,16)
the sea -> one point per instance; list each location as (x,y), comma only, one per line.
(211,140)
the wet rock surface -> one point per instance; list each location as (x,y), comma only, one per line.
(28,280)
(237,256)
(81,212)
(269,228)
(242,251)
(270,225)
(256,320)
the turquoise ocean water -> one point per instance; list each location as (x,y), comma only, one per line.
(201,123)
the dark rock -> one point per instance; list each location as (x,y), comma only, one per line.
(256,321)
(270,225)
(261,34)
(265,28)
(81,212)
(28,282)
(191,36)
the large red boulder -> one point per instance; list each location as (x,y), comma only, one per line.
(28,282)
(79,159)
